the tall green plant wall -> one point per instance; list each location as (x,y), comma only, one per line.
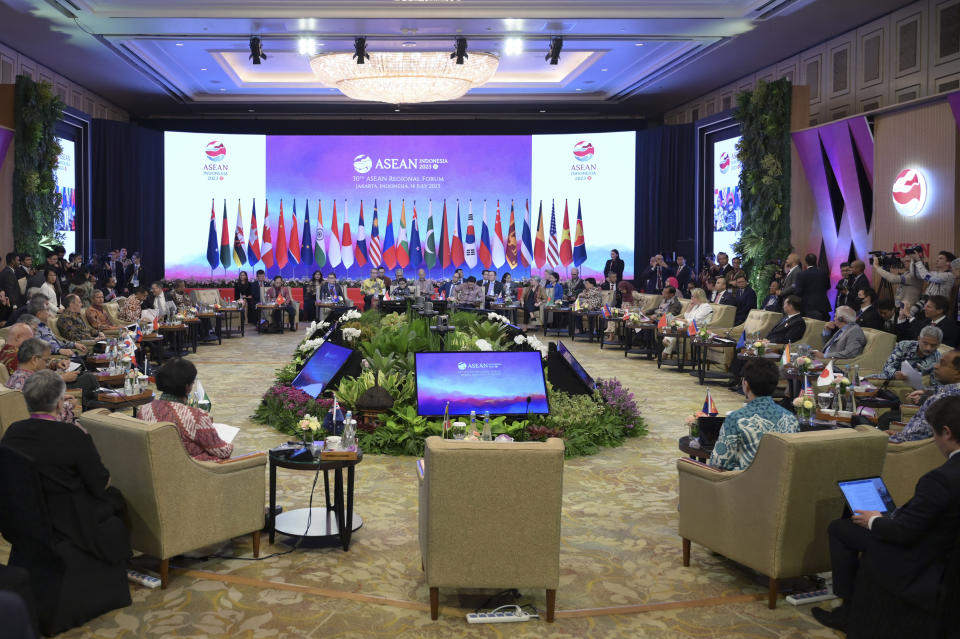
(36,202)
(764,152)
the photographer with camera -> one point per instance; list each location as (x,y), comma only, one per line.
(940,279)
(907,287)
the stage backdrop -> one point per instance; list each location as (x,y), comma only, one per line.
(518,202)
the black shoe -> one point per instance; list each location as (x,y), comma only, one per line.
(835,619)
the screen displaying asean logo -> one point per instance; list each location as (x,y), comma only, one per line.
(583,151)
(216,152)
(909,192)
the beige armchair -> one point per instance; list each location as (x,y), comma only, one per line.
(13,408)
(814,333)
(773,516)
(723,316)
(113,312)
(878,348)
(174,503)
(906,463)
(209,296)
(760,322)
(468,491)
(647,303)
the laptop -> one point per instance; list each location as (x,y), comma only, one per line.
(868,493)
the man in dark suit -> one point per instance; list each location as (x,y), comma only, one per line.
(792,269)
(684,274)
(904,551)
(655,276)
(934,312)
(843,285)
(812,285)
(133,274)
(720,293)
(8,280)
(159,301)
(869,316)
(789,330)
(857,281)
(745,298)
(772,301)
(491,287)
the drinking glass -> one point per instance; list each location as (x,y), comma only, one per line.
(458,430)
(315,448)
(824,400)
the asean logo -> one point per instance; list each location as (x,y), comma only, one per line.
(362,163)
(583,151)
(462,366)
(216,151)
(724,162)
(909,192)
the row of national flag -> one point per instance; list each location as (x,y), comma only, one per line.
(335,245)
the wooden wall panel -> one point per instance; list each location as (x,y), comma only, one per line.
(924,138)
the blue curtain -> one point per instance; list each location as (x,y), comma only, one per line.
(666,192)
(127,190)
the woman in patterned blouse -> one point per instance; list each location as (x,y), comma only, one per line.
(175,381)
(130,310)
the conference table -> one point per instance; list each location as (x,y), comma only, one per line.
(699,354)
(647,339)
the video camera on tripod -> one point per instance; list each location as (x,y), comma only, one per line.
(890,261)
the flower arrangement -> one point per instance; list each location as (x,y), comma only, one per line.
(690,421)
(804,363)
(532,342)
(310,427)
(352,314)
(350,334)
(495,317)
(483,345)
(759,347)
(803,406)
(283,407)
(843,383)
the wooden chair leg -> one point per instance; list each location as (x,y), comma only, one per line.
(434,603)
(551,604)
(256,544)
(686,552)
(772,592)
(164,573)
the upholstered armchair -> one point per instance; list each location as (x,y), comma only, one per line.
(773,516)
(174,503)
(723,316)
(760,322)
(906,463)
(647,302)
(506,499)
(813,336)
(878,348)
(210,296)
(13,408)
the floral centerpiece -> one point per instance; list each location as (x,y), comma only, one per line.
(310,428)
(691,422)
(842,383)
(803,364)
(759,347)
(804,407)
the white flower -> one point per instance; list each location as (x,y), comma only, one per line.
(483,345)
(352,314)
(495,317)
(519,339)
(351,334)
(310,345)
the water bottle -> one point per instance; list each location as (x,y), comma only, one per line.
(349,433)
(127,386)
(855,380)
(487,435)
(473,421)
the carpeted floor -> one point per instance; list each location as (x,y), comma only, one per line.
(621,574)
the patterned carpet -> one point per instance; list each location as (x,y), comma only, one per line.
(621,572)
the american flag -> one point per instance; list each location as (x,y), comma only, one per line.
(553,247)
(374,246)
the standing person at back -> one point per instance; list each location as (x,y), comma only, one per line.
(684,274)
(614,265)
(812,285)
(857,281)
(791,270)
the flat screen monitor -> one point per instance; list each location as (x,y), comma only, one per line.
(507,383)
(575,365)
(321,368)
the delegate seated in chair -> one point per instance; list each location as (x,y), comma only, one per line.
(58,511)
(742,429)
(175,382)
(902,554)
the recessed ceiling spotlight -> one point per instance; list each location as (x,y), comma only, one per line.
(638,44)
(579,89)
(307,24)
(408,44)
(222,89)
(397,110)
(250,110)
(307,46)
(513,24)
(513,46)
(179,44)
(543,110)
(603,69)
(203,68)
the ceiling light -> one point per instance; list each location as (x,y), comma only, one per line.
(513,24)
(638,44)
(307,24)
(459,50)
(179,44)
(603,69)
(203,68)
(404,77)
(360,50)
(513,46)
(223,89)
(408,44)
(256,50)
(553,55)
(307,46)
(543,110)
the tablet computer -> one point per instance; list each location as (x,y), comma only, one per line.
(869,493)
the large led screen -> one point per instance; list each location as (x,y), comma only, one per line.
(504,383)
(66,177)
(727,214)
(295,204)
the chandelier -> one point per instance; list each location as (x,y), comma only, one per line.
(404,77)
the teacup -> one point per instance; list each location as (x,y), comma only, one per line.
(333,442)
